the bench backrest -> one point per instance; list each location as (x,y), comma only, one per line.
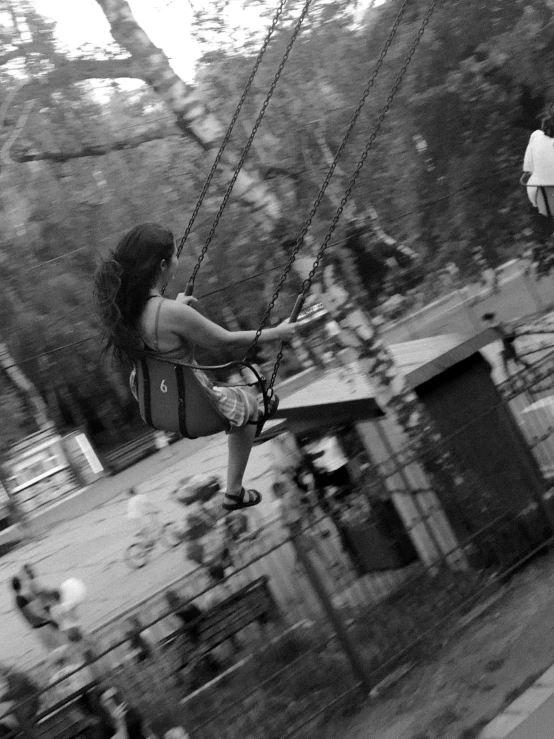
(252,603)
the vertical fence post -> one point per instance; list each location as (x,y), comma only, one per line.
(297,541)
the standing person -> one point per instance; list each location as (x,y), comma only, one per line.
(188,615)
(34,587)
(128,290)
(65,605)
(44,626)
(140,643)
(538,162)
(330,463)
(143,515)
(507,336)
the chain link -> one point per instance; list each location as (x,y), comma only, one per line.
(248,144)
(317,202)
(231,127)
(308,281)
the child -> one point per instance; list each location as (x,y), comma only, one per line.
(128,291)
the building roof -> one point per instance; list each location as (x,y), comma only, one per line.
(423,359)
(342,396)
(337,396)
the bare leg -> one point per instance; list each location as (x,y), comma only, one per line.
(239,443)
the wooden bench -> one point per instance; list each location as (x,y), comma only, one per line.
(252,603)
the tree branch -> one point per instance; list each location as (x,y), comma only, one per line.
(79,70)
(89,150)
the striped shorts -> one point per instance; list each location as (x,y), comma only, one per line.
(235,404)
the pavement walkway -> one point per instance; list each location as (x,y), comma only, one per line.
(531,716)
(86,537)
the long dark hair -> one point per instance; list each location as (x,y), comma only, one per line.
(547,121)
(123,281)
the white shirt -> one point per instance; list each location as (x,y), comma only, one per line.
(73,593)
(332,458)
(139,507)
(333,329)
(539,160)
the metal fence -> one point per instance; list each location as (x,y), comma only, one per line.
(361,585)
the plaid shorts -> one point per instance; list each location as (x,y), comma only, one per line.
(235,404)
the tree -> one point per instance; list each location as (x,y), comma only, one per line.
(88,154)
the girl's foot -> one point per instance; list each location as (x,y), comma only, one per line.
(244,499)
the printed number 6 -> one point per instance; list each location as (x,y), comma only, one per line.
(163,386)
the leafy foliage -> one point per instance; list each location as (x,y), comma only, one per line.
(85,162)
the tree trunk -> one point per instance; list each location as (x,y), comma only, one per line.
(192,116)
(26,388)
(195,119)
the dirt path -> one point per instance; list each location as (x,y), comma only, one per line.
(481,668)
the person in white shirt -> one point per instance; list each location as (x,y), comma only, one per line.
(65,608)
(538,162)
(142,514)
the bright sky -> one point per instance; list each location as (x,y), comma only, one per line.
(166,22)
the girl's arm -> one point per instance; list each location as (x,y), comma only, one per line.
(187,323)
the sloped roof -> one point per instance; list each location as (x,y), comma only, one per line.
(422,359)
(333,398)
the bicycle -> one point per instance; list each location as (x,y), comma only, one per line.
(138,554)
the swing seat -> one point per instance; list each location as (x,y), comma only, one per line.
(171,398)
(545,195)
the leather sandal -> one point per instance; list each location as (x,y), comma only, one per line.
(245,499)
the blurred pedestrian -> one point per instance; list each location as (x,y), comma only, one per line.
(538,163)
(65,608)
(143,515)
(66,601)
(140,643)
(34,587)
(507,336)
(44,626)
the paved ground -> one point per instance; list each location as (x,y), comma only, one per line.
(519,296)
(91,544)
(92,531)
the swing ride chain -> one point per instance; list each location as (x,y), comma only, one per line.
(231,127)
(308,281)
(246,149)
(322,190)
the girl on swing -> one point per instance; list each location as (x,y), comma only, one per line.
(128,293)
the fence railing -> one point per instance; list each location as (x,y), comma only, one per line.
(363,585)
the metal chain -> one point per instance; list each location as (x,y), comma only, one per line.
(308,281)
(246,149)
(232,125)
(330,173)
